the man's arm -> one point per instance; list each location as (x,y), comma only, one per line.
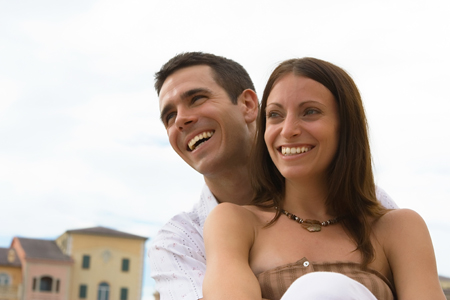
(177,259)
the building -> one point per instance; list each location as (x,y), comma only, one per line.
(45,269)
(94,263)
(10,275)
(445,283)
(108,264)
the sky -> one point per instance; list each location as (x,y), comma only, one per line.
(81,143)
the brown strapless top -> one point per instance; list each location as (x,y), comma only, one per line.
(275,282)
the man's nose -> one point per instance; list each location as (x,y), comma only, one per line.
(184,118)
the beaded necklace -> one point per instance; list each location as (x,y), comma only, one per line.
(311,225)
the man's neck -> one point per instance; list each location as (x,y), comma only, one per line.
(233,187)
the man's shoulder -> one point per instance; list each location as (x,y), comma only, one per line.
(181,224)
(385,199)
(195,218)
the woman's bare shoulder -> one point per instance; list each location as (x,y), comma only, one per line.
(398,218)
(245,214)
(400,225)
(231,214)
(230,227)
(409,251)
(227,209)
(262,214)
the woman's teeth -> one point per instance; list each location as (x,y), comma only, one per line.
(294,150)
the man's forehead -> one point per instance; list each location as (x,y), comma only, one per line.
(192,74)
(181,81)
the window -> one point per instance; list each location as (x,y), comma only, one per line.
(34,283)
(4,279)
(86,261)
(57,286)
(83,291)
(123,294)
(103,291)
(125,264)
(46,284)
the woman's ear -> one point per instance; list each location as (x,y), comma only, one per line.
(250,105)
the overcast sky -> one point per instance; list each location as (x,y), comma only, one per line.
(81,143)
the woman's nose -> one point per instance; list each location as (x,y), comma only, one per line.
(291,127)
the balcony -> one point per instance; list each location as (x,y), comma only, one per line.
(10,292)
(45,296)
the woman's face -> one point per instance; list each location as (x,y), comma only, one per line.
(302,127)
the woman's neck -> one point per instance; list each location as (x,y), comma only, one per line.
(307,199)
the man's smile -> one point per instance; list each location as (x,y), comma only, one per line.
(199,139)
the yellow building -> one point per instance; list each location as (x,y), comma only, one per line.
(445,284)
(108,264)
(10,275)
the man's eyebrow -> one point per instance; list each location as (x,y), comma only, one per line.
(185,95)
(192,92)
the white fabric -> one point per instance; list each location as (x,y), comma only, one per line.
(327,286)
(384,198)
(177,253)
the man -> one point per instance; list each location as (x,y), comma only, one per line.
(209,107)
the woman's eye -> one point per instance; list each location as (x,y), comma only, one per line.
(311,111)
(272,114)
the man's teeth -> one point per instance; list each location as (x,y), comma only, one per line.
(294,150)
(199,139)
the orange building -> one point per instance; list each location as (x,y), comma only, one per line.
(45,269)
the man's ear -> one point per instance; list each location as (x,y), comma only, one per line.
(250,105)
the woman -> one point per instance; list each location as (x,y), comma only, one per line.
(315,207)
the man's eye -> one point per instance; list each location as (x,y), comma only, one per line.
(197,97)
(170,116)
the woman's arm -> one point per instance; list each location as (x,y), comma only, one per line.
(410,253)
(229,233)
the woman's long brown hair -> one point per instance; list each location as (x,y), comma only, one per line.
(351,188)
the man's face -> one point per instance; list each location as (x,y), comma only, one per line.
(205,128)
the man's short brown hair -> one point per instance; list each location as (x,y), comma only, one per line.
(230,75)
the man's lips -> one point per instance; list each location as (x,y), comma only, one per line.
(199,139)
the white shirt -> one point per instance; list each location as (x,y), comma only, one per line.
(177,253)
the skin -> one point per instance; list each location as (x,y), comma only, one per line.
(191,102)
(302,112)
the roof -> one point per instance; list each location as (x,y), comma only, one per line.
(106,232)
(42,249)
(8,257)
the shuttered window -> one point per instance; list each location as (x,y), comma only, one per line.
(123,294)
(125,265)
(83,291)
(86,262)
